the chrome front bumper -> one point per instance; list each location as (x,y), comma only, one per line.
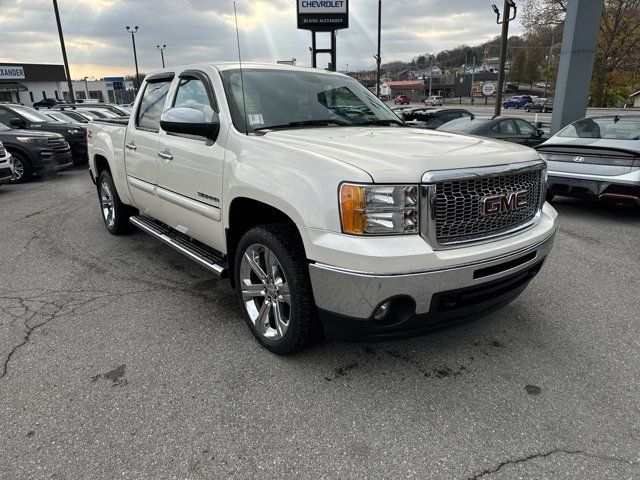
(357,295)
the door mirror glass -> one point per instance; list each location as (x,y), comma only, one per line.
(190,121)
(539,133)
(18,123)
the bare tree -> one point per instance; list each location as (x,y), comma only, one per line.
(536,13)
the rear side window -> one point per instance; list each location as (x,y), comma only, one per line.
(152,105)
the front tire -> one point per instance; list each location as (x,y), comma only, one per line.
(22,170)
(274,289)
(115,214)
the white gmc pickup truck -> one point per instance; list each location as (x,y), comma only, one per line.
(325,211)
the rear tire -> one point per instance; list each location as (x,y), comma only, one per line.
(274,289)
(22,168)
(115,214)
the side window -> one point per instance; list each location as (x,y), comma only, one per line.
(505,127)
(6,116)
(193,94)
(152,105)
(525,128)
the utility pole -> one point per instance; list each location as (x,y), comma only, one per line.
(133,31)
(161,48)
(430,74)
(506,18)
(378,56)
(553,39)
(86,86)
(64,51)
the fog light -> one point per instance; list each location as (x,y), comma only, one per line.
(382,312)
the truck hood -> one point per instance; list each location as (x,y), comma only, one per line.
(27,133)
(392,154)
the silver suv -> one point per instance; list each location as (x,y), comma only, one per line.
(596,157)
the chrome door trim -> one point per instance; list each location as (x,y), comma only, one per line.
(140,184)
(190,204)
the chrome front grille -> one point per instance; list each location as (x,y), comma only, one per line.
(57,143)
(455,210)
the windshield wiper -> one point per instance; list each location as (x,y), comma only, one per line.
(303,123)
(382,122)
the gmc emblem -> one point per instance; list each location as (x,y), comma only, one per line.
(505,203)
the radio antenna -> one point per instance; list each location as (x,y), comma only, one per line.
(244,102)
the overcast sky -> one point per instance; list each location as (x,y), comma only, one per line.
(203,30)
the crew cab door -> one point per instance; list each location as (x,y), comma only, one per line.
(141,146)
(190,167)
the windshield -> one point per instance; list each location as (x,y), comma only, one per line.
(464,124)
(281,98)
(60,117)
(31,114)
(616,128)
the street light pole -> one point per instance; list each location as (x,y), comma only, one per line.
(161,48)
(133,31)
(553,39)
(506,18)
(378,56)
(64,50)
(86,86)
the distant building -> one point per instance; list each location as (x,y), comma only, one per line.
(635,98)
(29,83)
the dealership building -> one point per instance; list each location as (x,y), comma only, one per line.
(28,83)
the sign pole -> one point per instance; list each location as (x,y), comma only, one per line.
(64,51)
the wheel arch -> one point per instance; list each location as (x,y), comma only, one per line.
(245,213)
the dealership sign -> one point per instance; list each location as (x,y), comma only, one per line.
(323,15)
(11,73)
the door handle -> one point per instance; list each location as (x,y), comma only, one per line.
(131,146)
(166,155)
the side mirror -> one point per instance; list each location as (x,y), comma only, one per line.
(190,121)
(17,123)
(539,133)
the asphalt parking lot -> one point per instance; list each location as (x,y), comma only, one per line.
(121,359)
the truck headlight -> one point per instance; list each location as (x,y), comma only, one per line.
(75,131)
(36,140)
(379,209)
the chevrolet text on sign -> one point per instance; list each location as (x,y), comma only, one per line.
(323,15)
(323,6)
(11,73)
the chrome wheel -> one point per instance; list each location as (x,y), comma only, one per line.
(265,292)
(106,204)
(18,169)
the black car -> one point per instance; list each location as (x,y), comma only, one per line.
(432,118)
(26,118)
(46,103)
(539,105)
(35,152)
(511,129)
(115,109)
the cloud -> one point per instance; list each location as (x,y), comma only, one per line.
(204,31)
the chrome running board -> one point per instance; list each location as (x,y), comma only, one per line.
(204,256)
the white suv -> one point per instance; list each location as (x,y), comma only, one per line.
(434,100)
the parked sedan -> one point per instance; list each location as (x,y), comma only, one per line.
(20,117)
(517,102)
(47,103)
(539,105)
(510,129)
(432,118)
(402,100)
(596,157)
(35,152)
